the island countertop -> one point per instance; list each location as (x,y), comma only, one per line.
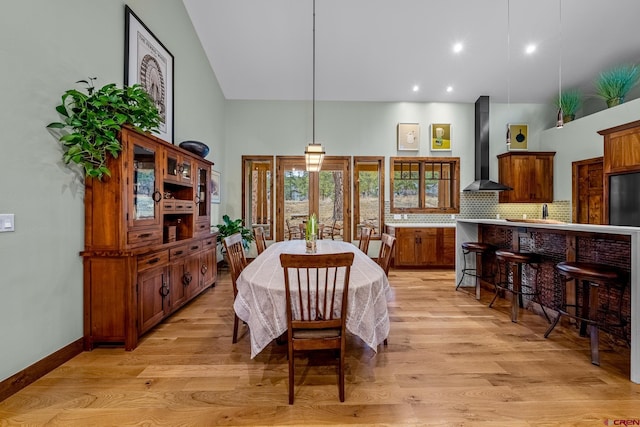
(568,226)
(421,224)
(469,230)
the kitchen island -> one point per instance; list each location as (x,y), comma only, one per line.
(612,245)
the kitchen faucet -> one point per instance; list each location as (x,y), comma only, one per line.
(545,211)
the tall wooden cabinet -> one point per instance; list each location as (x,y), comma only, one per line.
(529,173)
(148,244)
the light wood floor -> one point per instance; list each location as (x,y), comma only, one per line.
(450,361)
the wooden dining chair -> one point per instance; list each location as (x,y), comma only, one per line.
(261,242)
(294,232)
(237,261)
(317,291)
(388,242)
(365,237)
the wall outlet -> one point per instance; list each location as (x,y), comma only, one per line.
(524,216)
(406,216)
(453,216)
(397,216)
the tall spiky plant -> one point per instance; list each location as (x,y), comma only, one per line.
(613,85)
(570,102)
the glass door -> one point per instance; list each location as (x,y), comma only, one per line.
(325,193)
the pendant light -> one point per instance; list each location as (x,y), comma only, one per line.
(560,122)
(508,137)
(314,153)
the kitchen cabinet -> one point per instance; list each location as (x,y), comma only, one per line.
(423,246)
(529,173)
(148,245)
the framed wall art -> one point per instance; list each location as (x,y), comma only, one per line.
(215,186)
(440,137)
(408,136)
(519,137)
(149,63)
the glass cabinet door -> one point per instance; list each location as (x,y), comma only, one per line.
(202,192)
(177,168)
(145,207)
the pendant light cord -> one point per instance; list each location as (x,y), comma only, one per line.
(560,60)
(313,95)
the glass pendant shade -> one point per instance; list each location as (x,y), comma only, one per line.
(560,122)
(313,157)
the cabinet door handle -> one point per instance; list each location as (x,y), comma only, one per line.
(164,290)
(153,261)
(197,200)
(186,278)
(178,253)
(204,269)
(157,196)
(193,248)
(144,235)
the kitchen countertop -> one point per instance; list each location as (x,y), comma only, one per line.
(591,228)
(421,224)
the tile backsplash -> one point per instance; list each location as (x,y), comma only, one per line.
(485,205)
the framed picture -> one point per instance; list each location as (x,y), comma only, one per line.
(519,137)
(440,137)
(408,136)
(148,63)
(215,186)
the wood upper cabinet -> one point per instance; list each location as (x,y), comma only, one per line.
(622,148)
(529,173)
(423,246)
(148,244)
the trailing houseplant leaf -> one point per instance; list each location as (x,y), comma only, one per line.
(94,120)
(229,227)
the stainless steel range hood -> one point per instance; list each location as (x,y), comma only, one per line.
(482,182)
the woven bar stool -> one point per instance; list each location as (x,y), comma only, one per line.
(480,249)
(509,260)
(588,278)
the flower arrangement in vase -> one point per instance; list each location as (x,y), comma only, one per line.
(311,233)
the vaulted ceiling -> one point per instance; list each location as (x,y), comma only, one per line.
(378,50)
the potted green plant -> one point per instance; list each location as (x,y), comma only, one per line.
(229,227)
(95,118)
(569,101)
(613,85)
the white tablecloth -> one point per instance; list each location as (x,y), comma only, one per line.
(261,294)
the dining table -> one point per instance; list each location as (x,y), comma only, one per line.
(261,301)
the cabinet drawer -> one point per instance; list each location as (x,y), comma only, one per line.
(144,237)
(209,244)
(184,206)
(203,228)
(154,259)
(194,247)
(169,205)
(178,252)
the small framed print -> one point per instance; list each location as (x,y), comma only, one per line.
(519,137)
(215,186)
(408,136)
(440,137)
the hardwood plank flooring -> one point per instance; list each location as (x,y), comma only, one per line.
(451,360)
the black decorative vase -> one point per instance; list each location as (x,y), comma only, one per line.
(196,147)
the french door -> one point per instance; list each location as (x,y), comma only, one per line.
(301,193)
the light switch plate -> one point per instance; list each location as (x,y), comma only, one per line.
(6,222)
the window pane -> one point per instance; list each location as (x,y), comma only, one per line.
(296,200)
(330,211)
(406,184)
(257,179)
(370,199)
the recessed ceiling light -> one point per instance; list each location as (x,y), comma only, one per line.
(530,48)
(416,88)
(457,48)
(449,88)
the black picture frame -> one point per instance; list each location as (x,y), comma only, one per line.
(149,63)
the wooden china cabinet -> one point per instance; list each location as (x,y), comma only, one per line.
(148,244)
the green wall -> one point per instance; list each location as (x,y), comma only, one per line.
(46,47)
